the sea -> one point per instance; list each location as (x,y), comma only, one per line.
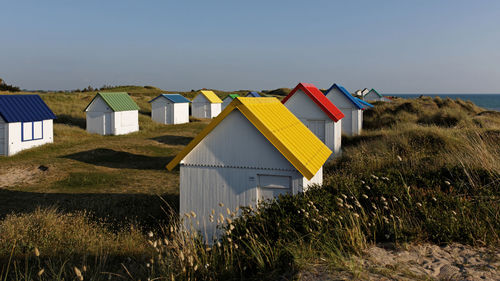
(488,101)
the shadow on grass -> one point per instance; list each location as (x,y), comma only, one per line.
(120,159)
(144,112)
(173,140)
(146,210)
(71,120)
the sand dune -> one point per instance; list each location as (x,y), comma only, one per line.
(418,262)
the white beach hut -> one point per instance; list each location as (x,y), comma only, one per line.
(112,113)
(25,122)
(373,96)
(227,100)
(352,123)
(170,109)
(318,113)
(253,151)
(206,105)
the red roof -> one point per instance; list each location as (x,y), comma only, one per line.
(319,98)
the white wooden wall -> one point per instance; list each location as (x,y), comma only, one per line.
(203,188)
(14,140)
(337,139)
(3,137)
(317,179)
(215,109)
(125,122)
(226,102)
(181,113)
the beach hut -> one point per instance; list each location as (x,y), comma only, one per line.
(112,113)
(228,100)
(255,150)
(318,113)
(206,105)
(352,123)
(170,109)
(253,95)
(25,122)
(373,95)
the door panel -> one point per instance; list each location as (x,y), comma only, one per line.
(318,128)
(2,139)
(206,110)
(107,124)
(271,186)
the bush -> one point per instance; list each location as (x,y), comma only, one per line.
(5,87)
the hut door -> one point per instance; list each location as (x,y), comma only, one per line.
(206,109)
(270,186)
(2,139)
(318,128)
(107,124)
(167,115)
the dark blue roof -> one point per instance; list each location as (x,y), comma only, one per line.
(24,108)
(346,94)
(253,94)
(364,102)
(175,98)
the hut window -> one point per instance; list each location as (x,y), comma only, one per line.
(31,131)
(272,181)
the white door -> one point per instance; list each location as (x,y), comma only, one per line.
(347,122)
(3,144)
(271,186)
(107,128)
(206,110)
(318,128)
(168,114)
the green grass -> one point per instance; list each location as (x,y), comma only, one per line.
(424,170)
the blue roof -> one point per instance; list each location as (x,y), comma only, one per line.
(24,108)
(175,98)
(364,102)
(346,94)
(253,95)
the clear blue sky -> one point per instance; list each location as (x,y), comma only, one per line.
(394,46)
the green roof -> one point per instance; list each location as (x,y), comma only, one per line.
(233,96)
(117,101)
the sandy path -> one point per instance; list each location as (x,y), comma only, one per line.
(15,176)
(419,262)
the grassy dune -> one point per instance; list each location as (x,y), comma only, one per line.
(424,170)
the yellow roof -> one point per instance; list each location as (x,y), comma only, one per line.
(211,96)
(293,139)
